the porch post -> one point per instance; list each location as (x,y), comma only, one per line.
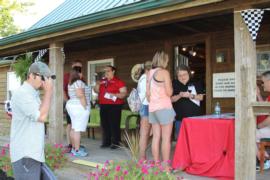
(245,89)
(56,64)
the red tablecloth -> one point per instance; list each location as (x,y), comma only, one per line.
(205,147)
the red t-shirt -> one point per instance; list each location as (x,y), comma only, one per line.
(110,86)
(65,84)
(263,117)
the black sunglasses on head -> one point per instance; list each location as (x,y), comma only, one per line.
(77,68)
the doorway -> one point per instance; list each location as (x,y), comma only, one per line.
(193,56)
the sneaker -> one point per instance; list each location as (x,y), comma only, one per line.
(82,148)
(79,153)
(266,165)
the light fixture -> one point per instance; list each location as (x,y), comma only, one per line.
(192,52)
(184,48)
(192,72)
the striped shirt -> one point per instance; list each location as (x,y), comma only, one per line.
(76,85)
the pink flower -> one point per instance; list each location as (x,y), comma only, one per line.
(7,146)
(125,172)
(3,152)
(121,178)
(144,170)
(106,174)
(56,145)
(156,173)
(116,178)
(118,168)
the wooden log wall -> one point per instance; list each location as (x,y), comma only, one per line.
(4,121)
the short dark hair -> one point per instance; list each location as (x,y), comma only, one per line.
(183,67)
(112,67)
(74,76)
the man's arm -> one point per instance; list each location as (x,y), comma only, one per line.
(45,105)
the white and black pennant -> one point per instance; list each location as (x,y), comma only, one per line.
(253,18)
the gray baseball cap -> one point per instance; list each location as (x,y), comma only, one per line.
(41,69)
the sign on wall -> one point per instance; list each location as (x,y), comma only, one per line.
(224,85)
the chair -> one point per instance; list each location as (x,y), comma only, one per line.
(264,142)
(129,120)
(94,122)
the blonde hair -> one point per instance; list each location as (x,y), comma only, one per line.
(160,59)
(147,65)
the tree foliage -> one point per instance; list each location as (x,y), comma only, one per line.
(22,65)
(7,9)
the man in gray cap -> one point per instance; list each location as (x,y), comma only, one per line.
(27,127)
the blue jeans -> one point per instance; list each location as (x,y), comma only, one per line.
(177,128)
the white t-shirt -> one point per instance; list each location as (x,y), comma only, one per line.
(141,87)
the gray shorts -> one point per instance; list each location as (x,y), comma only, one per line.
(163,116)
(27,169)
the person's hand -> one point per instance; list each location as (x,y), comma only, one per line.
(98,82)
(48,85)
(185,94)
(258,94)
(258,91)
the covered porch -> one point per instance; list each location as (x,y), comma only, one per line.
(206,27)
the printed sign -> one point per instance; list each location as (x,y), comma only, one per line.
(224,85)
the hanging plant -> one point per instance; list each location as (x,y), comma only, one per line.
(22,65)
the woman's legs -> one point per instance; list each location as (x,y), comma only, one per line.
(144,135)
(166,131)
(77,140)
(72,138)
(156,141)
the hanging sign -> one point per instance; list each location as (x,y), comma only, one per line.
(224,85)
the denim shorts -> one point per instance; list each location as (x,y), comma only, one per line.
(163,116)
(144,112)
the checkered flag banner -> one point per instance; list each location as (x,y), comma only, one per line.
(253,19)
(40,54)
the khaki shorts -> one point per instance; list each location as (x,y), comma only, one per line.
(163,116)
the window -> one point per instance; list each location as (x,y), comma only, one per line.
(13,83)
(96,72)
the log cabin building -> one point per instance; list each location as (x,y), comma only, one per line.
(210,36)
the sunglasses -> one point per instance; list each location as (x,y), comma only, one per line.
(77,68)
(42,77)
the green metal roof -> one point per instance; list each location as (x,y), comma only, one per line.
(75,13)
(71,9)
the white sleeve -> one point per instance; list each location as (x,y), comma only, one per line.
(142,88)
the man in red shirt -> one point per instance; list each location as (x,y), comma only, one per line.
(77,64)
(111,91)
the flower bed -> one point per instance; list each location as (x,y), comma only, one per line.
(54,157)
(132,170)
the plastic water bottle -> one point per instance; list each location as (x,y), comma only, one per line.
(217,109)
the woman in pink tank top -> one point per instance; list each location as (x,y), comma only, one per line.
(161,113)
